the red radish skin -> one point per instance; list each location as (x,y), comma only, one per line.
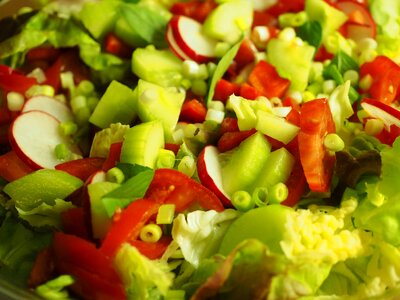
(34,136)
(49,105)
(174,46)
(379,110)
(190,39)
(209,170)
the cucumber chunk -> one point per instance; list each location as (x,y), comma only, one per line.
(155,102)
(242,168)
(117,105)
(266,224)
(161,67)
(142,143)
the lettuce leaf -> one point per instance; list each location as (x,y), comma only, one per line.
(199,233)
(18,250)
(46,214)
(142,277)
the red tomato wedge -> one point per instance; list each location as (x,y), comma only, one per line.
(173,187)
(318,164)
(360,23)
(385,75)
(267,81)
(93,271)
(152,250)
(114,45)
(224,89)
(113,156)
(12,168)
(195,9)
(127,225)
(193,111)
(81,168)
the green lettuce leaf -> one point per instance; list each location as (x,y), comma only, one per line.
(103,139)
(142,277)
(199,233)
(18,250)
(46,214)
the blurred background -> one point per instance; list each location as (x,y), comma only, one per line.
(8,7)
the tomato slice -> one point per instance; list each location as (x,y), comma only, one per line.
(81,168)
(152,250)
(267,81)
(385,75)
(193,111)
(127,225)
(173,187)
(73,222)
(12,167)
(195,9)
(14,81)
(114,45)
(224,89)
(113,156)
(230,140)
(315,123)
(94,273)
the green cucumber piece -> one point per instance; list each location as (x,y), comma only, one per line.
(155,102)
(99,17)
(277,168)
(101,222)
(142,143)
(117,105)
(128,34)
(161,67)
(229,20)
(276,127)
(297,68)
(329,17)
(241,169)
(42,186)
(266,224)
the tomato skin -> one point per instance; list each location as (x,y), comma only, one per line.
(286,6)
(266,80)
(43,267)
(248,92)
(93,271)
(173,187)
(113,156)
(12,167)
(11,80)
(229,125)
(230,140)
(114,45)
(126,227)
(81,168)
(74,222)
(296,185)
(173,147)
(385,78)
(195,9)
(193,111)
(152,250)
(246,54)
(318,164)
(224,89)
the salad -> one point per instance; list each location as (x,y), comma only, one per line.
(201,149)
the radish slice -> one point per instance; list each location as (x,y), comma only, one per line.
(34,136)
(174,46)
(209,171)
(359,19)
(376,109)
(358,32)
(49,105)
(188,35)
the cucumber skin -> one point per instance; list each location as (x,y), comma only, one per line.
(142,143)
(245,164)
(117,105)
(277,168)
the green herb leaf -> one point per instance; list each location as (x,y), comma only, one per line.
(344,62)
(311,32)
(221,68)
(152,24)
(133,189)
